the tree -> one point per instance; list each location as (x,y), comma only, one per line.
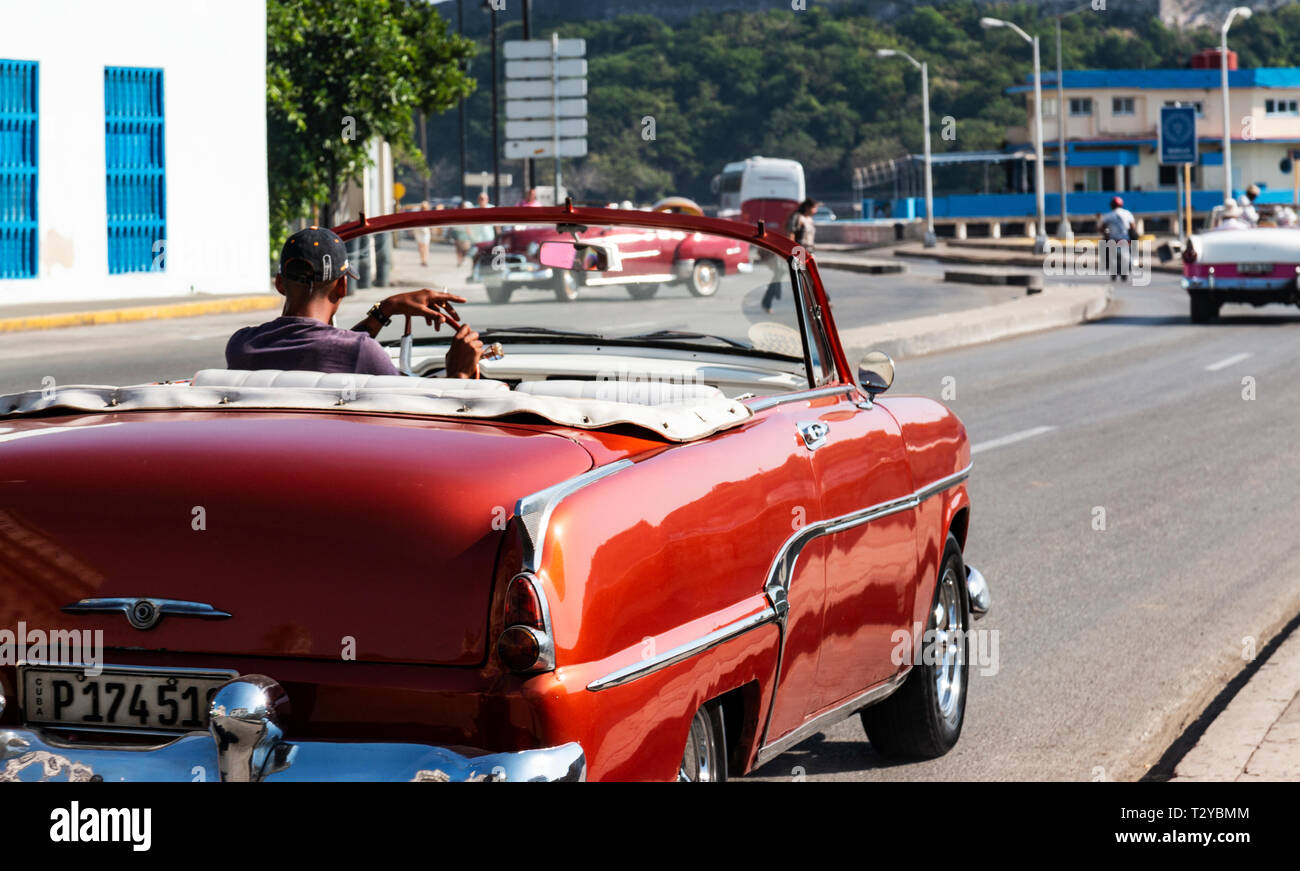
(339,73)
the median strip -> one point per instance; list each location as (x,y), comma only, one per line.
(140,313)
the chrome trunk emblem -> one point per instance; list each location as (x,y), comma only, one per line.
(144,613)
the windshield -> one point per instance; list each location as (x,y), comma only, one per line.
(652,287)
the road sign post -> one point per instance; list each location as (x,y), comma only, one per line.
(1178,147)
(546,106)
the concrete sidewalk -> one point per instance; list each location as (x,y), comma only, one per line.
(1257,736)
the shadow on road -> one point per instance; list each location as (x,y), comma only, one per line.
(818,756)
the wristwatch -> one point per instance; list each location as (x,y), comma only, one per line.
(378,314)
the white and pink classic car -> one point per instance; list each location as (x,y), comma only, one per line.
(1256,265)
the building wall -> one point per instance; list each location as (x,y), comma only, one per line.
(213,57)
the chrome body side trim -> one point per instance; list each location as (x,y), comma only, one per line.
(844,710)
(782,398)
(535,510)
(630,673)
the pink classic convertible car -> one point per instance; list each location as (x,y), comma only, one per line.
(653,541)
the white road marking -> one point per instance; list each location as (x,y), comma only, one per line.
(1010,439)
(1228,361)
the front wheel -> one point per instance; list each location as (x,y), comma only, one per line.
(498,294)
(705,757)
(642,291)
(705,278)
(564,285)
(923,719)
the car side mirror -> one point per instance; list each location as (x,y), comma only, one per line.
(875,373)
(567,255)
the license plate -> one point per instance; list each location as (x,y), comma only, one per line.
(1255,268)
(138,699)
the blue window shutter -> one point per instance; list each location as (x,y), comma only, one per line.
(136,169)
(18,168)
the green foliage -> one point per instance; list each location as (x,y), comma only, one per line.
(807,85)
(340,67)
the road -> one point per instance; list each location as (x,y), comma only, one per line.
(1111,636)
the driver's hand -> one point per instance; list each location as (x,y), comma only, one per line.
(435,306)
(463,355)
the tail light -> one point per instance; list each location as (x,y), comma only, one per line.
(525,645)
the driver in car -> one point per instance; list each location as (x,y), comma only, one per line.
(313,279)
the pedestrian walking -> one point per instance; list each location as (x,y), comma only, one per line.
(799,227)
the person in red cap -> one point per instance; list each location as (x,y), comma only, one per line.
(1118,228)
(313,278)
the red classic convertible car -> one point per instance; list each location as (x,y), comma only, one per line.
(650,258)
(623,553)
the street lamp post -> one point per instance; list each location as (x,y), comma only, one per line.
(1065,231)
(1244,12)
(930,239)
(1040,244)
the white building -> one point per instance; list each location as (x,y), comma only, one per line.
(132,149)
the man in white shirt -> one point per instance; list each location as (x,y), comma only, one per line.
(1233,218)
(1118,227)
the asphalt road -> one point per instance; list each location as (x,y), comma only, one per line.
(1109,640)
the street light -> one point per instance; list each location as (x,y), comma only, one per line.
(1040,244)
(1065,231)
(1244,12)
(930,239)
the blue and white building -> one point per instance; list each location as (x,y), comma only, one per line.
(132,149)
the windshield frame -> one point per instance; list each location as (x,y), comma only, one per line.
(757,234)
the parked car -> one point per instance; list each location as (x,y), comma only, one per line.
(824,214)
(1257,265)
(652,258)
(626,552)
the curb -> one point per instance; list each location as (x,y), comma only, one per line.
(916,337)
(870,267)
(140,313)
(1257,736)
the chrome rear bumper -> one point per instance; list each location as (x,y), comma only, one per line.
(246,742)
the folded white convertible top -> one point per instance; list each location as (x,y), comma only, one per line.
(693,417)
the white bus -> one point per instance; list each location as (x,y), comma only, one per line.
(760,188)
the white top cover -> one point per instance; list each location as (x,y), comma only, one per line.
(692,417)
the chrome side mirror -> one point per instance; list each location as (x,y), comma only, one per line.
(875,373)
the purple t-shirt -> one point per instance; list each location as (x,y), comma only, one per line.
(306,343)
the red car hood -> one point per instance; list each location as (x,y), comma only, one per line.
(322,535)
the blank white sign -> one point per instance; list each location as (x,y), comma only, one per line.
(574,68)
(529,49)
(544,89)
(523,109)
(569,127)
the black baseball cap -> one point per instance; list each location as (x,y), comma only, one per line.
(315,254)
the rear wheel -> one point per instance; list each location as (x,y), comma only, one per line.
(705,278)
(1204,309)
(642,291)
(705,757)
(564,285)
(923,719)
(498,294)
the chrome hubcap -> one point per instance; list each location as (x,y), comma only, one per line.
(706,276)
(949,647)
(699,762)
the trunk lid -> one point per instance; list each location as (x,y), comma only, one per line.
(318,533)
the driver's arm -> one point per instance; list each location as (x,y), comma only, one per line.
(432,305)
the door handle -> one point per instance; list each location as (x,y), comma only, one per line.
(814,433)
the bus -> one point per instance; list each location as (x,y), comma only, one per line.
(764,189)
